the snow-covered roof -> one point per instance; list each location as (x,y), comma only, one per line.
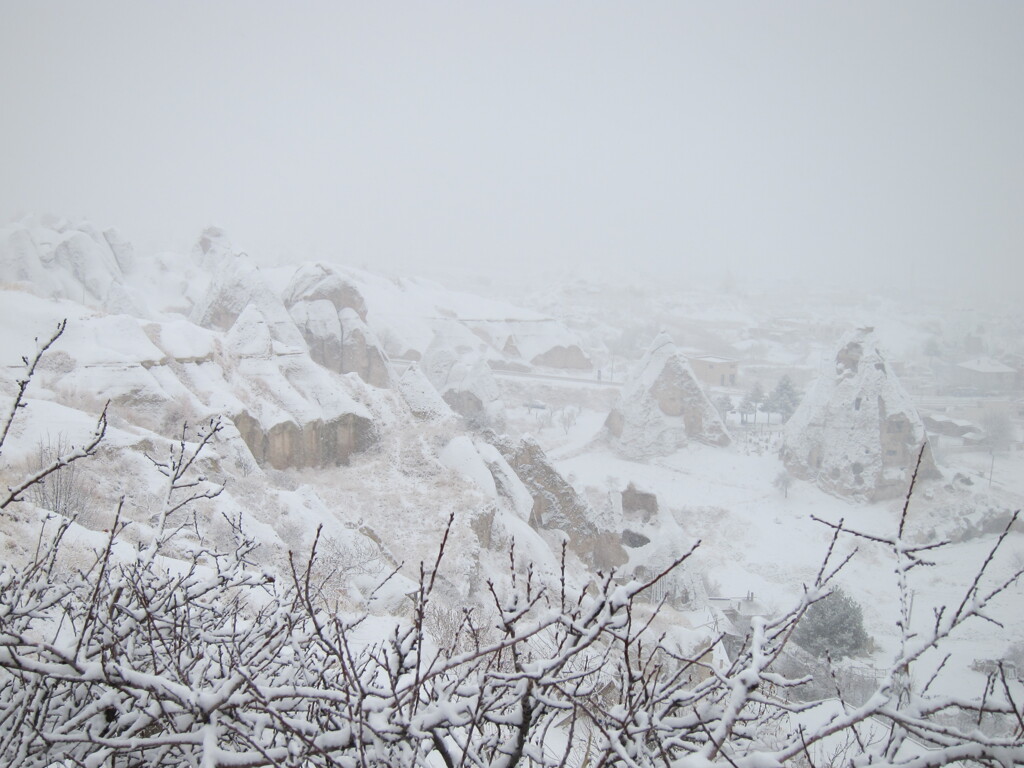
(985,365)
(940,419)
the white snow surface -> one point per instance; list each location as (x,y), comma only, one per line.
(210,335)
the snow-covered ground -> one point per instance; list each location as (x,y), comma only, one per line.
(204,334)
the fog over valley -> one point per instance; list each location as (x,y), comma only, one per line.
(862,146)
(528,385)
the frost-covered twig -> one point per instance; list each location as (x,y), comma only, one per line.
(182,491)
(14,493)
(26,379)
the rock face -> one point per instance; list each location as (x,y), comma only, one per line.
(316,443)
(465,383)
(56,259)
(237,285)
(423,400)
(641,503)
(857,432)
(314,282)
(662,407)
(331,315)
(361,353)
(292,414)
(556,505)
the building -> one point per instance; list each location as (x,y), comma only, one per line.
(984,375)
(714,371)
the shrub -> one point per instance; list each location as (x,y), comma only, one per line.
(833,626)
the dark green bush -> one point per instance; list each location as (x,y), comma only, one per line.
(833,625)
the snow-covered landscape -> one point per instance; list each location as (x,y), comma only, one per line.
(365,415)
(551,385)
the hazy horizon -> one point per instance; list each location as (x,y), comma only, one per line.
(866,144)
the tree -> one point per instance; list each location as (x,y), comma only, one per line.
(56,461)
(723,404)
(752,401)
(833,626)
(64,490)
(215,661)
(998,430)
(784,399)
(784,481)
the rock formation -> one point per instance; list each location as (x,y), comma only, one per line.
(237,285)
(556,505)
(289,410)
(662,407)
(857,433)
(423,400)
(293,413)
(60,260)
(331,315)
(465,382)
(314,282)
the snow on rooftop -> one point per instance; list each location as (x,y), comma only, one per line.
(985,365)
(714,359)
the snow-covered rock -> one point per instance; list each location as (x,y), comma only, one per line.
(331,315)
(212,247)
(294,413)
(361,353)
(662,407)
(556,505)
(314,282)
(857,432)
(465,381)
(320,326)
(423,399)
(70,262)
(237,285)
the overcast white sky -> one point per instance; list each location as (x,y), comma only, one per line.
(859,141)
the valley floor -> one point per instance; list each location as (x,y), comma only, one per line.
(758,542)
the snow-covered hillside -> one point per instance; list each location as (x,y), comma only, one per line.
(372,409)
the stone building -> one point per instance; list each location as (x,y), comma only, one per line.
(714,371)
